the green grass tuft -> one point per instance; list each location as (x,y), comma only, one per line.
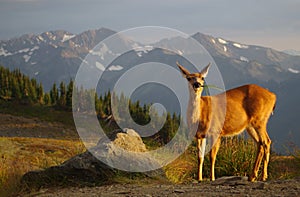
(236,157)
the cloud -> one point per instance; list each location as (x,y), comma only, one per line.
(233,18)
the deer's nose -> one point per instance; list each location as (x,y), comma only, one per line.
(196,85)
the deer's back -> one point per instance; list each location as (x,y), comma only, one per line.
(244,105)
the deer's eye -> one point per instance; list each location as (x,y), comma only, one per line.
(202,78)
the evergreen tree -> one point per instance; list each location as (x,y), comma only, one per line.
(54,94)
(16,91)
(46,99)
(32,87)
(69,94)
(62,95)
(40,93)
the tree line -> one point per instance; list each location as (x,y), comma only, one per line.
(19,88)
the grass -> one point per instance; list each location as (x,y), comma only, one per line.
(46,113)
(20,155)
(289,165)
(296,155)
(236,157)
(286,167)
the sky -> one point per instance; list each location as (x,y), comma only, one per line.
(269,23)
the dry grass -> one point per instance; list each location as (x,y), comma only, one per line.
(236,157)
(20,155)
(286,167)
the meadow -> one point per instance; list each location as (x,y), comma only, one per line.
(21,154)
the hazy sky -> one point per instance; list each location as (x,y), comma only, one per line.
(270,23)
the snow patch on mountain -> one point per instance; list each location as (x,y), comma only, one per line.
(244,59)
(292,52)
(140,53)
(148,48)
(35,48)
(213,41)
(179,52)
(26,57)
(225,48)
(4,52)
(67,37)
(241,46)
(293,70)
(40,38)
(144,49)
(220,40)
(101,52)
(24,50)
(55,46)
(115,68)
(100,66)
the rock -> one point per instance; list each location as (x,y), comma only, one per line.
(89,169)
(130,141)
(126,151)
(179,191)
(132,132)
(260,185)
(231,180)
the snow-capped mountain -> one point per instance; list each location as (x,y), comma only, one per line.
(55,56)
(252,63)
(51,56)
(292,52)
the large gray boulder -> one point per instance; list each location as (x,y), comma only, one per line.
(91,167)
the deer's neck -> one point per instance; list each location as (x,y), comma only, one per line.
(194,108)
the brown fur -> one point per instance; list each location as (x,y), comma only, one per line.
(247,107)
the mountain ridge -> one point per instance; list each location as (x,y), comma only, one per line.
(33,52)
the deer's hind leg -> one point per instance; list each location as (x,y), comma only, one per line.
(266,143)
(260,136)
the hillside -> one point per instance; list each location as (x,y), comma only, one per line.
(23,154)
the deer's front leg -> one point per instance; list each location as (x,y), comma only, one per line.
(201,143)
(213,156)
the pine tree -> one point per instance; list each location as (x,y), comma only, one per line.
(62,95)
(32,86)
(69,94)
(46,99)
(16,91)
(54,94)
(40,93)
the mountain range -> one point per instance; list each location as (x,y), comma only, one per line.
(55,56)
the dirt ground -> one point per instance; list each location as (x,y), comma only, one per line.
(220,187)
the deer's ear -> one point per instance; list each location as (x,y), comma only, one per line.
(205,70)
(184,71)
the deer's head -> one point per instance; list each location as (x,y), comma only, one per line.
(195,80)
